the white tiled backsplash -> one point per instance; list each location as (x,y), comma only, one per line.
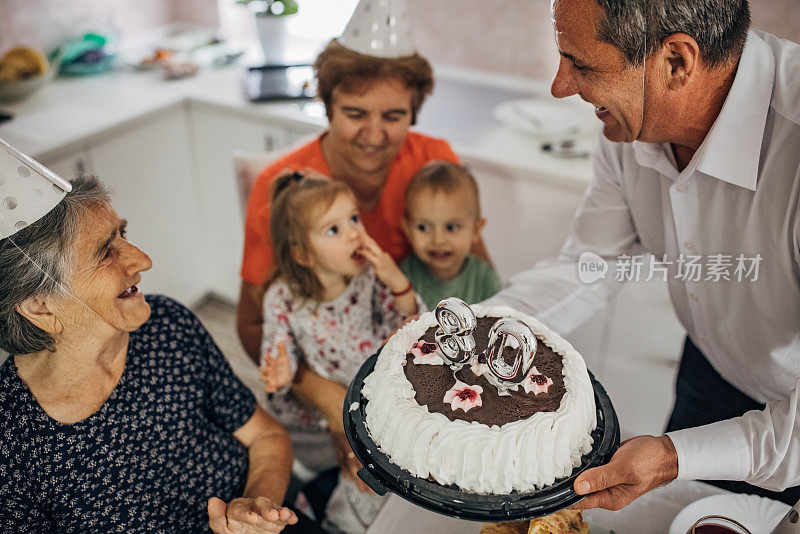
(510,37)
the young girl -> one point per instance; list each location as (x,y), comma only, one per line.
(335,297)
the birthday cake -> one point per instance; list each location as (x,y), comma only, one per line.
(487,399)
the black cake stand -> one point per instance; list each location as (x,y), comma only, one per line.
(380,474)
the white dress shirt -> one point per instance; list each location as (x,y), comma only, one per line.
(737,200)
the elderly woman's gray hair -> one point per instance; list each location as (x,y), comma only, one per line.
(637,27)
(36,262)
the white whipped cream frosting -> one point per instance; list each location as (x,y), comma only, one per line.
(522,455)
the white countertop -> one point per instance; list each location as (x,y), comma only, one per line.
(71,111)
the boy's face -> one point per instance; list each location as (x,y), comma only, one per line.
(442,227)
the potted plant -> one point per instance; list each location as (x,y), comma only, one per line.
(271,18)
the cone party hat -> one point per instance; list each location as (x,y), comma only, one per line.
(28,190)
(380,28)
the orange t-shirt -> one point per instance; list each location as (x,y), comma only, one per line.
(382,223)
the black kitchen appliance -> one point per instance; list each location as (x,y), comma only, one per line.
(267,83)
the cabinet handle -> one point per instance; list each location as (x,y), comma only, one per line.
(80,167)
(269,142)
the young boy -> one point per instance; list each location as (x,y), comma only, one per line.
(442,222)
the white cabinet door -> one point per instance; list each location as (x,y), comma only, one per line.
(527,219)
(148,169)
(217,134)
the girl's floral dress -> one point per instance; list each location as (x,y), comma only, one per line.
(334,338)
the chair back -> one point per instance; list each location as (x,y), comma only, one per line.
(247,166)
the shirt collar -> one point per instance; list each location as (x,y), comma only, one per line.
(732,148)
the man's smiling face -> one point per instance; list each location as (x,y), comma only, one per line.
(596,71)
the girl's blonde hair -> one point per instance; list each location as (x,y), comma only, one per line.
(297,201)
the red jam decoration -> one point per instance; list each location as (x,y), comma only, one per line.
(539,379)
(467,394)
(464,396)
(427,348)
(536,382)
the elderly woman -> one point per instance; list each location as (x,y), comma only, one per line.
(118,413)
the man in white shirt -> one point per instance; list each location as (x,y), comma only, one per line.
(699,158)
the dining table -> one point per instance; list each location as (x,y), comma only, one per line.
(652,513)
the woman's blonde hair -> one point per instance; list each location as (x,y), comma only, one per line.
(338,66)
(297,201)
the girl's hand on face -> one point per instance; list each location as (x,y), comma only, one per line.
(385,267)
(276,372)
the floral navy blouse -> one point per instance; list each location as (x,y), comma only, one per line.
(149,459)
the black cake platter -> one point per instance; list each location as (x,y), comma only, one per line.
(383,476)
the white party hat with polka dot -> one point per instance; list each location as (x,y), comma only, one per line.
(380,28)
(28,190)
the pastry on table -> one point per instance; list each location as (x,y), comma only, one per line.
(505,528)
(563,522)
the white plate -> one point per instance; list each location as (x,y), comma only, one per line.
(541,117)
(758,514)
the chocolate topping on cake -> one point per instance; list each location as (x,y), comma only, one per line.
(431,383)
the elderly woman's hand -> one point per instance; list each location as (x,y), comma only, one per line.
(248,516)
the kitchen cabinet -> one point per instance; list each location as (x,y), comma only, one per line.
(217,133)
(147,168)
(527,219)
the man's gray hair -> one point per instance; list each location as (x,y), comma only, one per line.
(48,243)
(719,26)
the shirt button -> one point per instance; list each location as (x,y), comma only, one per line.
(693,296)
(689,245)
(681,188)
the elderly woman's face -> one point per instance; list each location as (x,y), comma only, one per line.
(106,270)
(367,130)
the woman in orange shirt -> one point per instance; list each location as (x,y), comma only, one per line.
(370,102)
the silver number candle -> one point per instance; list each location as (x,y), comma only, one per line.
(501,374)
(454,336)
